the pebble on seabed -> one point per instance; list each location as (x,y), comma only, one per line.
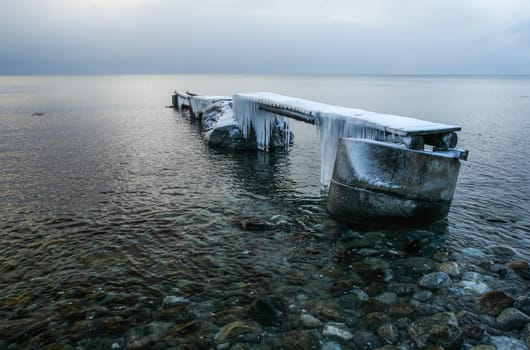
(512,319)
(503,342)
(493,302)
(435,280)
(174,300)
(475,287)
(337,329)
(310,321)
(451,268)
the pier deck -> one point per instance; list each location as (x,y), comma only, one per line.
(312,112)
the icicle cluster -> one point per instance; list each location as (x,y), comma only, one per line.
(250,117)
(331,128)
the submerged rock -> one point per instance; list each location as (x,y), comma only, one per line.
(507,343)
(310,321)
(401,310)
(388,333)
(403,289)
(144,336)
(229,315)
(502,250)
(376,319)
(172,300)
(435,280)
(423,295)
(326,311)
(238,328)
(81,328)
(518,265)
(470,324)
(437,330)
(115,324)
(451,268)
(512,319)
(221,129)
(185,327)
(471,287)
(360,294)
(365,340)
(296,340)
(388,298)
(373,305)
(267,310)
(337,329)
(417,264)
(523,303)
(521,267)
(493,302)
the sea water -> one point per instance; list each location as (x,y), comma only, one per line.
(120,227)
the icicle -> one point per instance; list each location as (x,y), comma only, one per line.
(286,132)
(251,117)
(330,129)
(333,127)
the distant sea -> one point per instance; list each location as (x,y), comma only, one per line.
(111,202)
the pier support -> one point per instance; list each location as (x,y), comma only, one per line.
(381,184)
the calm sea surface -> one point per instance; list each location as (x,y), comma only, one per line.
(113,209)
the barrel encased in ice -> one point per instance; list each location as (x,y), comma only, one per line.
(383,184)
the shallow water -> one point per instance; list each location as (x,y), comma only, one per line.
(112,202)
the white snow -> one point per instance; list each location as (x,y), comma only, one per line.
(226,118)
(200,103)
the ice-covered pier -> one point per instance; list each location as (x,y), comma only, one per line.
(380,168)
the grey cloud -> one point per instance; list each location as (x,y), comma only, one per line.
(258,36)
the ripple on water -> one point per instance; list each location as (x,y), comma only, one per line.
(121,229)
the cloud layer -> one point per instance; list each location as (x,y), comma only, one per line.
(265,36)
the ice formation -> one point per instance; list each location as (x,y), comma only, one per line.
(218,115)
(333,122)
(200,103)
(251,117)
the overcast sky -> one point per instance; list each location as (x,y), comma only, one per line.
(265,36)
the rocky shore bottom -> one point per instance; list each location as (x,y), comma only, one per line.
(369,293)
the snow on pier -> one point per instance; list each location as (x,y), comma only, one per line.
(200,103)
(259,110)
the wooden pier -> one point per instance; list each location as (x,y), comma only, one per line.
(381,169)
